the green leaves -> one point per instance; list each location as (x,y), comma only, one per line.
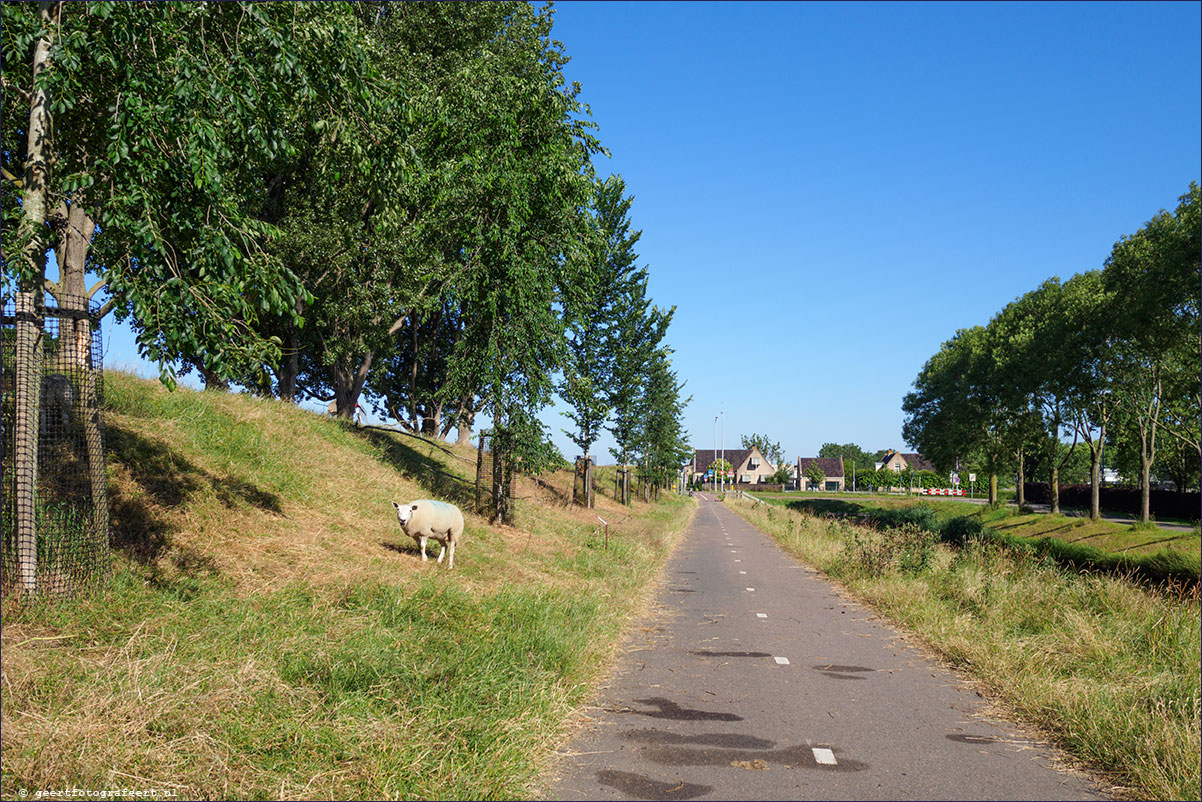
(1063,359)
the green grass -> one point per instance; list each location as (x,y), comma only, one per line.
(267,633)
(1157,554)
(1108,668)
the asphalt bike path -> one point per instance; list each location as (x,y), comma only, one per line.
(754,679)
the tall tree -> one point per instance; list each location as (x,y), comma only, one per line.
(665,441)
(1152,276)
(960,405)
(1041,351)
(639,327)
(850,453)
(771,451)
(1091,343)
(533,177)
(598,269)
(164,116)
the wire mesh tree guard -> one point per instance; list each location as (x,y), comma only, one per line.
(494,481)
(55,531)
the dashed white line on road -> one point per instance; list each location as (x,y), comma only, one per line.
(741,572)
(782,661)
(751,590)
(738,561)
(823,756)
(761,615)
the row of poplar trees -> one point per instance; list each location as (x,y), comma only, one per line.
(1108,359)
(392,203)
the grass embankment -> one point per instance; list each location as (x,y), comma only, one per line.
(1107,667)
(1155,554)
(269,633)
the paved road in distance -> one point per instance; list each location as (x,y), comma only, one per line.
(754,679)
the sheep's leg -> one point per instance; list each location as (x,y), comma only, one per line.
(442,548)
(451,561)
(423,542)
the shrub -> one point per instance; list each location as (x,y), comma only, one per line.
(962,529)
(907,548)
(922,516)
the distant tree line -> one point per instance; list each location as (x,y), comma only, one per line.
(1106,362)
(392,202)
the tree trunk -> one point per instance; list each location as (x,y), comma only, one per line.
(25,443)
(1145,474)
(1145,488)
(289,370)
(1054,486)
(1021,491)
(74,240)
(1095,476)
(348,386)
(213,381)
(993,489)
(464,419)
(89,406)
(1147,449)
(28,303)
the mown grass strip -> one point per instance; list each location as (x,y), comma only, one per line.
(1110,669)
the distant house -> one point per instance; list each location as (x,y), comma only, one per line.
(898,462)
(748,464)
(831,467)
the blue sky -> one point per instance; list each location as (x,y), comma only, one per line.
(829,191)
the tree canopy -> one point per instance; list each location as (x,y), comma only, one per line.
(1109,358)
(331,201)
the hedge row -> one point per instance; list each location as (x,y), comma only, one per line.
(1164,503)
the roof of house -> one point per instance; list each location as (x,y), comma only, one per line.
(830,466)
(705,457)
(915,462)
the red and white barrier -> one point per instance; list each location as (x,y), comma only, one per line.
(942,491)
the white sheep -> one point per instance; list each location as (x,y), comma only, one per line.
(426,518)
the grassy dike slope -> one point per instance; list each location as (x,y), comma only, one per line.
(269,633)
(1108,668)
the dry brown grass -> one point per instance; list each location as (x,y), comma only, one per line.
(251,646)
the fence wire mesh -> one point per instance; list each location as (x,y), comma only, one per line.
(583,491)
(55,532)
(494,480)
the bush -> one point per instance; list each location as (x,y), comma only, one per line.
(922,516)
(907,548)
(1163,503)
(962,529)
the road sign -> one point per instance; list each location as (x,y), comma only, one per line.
(972,477)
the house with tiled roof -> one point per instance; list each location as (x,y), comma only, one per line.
(831,467)
(748,465)
(898,462)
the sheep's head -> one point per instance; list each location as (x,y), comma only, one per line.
(404,512)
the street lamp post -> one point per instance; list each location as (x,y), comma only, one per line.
(723,451)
